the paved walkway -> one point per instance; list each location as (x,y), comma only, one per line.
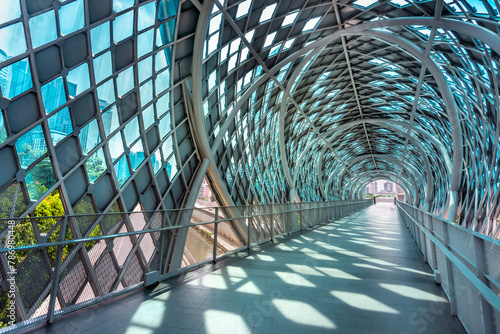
(359,274)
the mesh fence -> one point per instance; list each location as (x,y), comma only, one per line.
(119,249)
(466,248)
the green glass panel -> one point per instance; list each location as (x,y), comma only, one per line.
(95,165)
(39,179)
(31,146)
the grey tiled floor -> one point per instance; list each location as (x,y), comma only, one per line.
(359,274)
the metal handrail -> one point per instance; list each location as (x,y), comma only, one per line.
(309,214)
(488,300)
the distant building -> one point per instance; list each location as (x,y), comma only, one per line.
(389,187)
(372,188)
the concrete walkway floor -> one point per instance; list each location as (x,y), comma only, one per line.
(359,274)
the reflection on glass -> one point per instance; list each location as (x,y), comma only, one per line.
(11,10)
(119,5)
(71,17)
(60,125)
(43,28)
(136,154)
(79,76)
(145,42)
(103,67)
(162,81)
(148,116)
(165,125)
(123,26)
(95,165)
(89,136)
(147,15)
(39,179)
(31,146)
(121,170)
(131,131)
(125,81)
(106,94)
(172,167)
(53,94)
(12,41)
(163,105)
(145,68)
(115,146)
(167,147)
(3,132)
(100,37)
(156,161)
(110,120)
(15,78)
(146,93)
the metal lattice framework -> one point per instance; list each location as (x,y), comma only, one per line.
(120,105)
(312,100)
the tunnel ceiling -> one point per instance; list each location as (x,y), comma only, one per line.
(312,100)
(113,104)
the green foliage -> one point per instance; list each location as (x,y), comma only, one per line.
(7,201)
(95,167)
(369,195)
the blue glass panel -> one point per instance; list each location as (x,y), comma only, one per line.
(53,94)
(15,78)
(71,17)
(148,116)
(156,161)
(39,179)
(106,94)
(119,5)
(100,37)
(89,136)
(115,146)
(3,132)
(163,105)
(162,81)
(60,125)
(172,167)
(79,77)
(146,92)
(147,15)
(103,67)
(125,81)
(145,42)
(12,41)
(110,120)
(121,170)
(31,146)
(161,60)
(131,131)
(145,68)
(168,8)
(43,28)
(136,154)
(123,26)
(95,165)
(167,147)
(10,11)
(165,125)
(165,33)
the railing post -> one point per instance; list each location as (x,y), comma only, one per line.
(486,308)
(249,220)
(55,273)
(449,272)
(216,232)
(272,224)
